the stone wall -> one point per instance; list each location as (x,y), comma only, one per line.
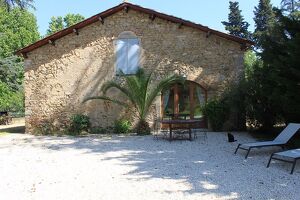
(58,78)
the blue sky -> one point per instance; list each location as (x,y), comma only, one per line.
(206,12)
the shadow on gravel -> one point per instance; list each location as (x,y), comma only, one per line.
(16,129)
(207,169)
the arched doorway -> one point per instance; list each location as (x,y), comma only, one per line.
(184,101)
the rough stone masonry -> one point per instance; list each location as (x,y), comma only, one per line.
(58,77)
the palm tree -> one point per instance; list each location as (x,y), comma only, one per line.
(140,93)
(23,4)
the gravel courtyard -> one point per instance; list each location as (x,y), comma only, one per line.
(138,168)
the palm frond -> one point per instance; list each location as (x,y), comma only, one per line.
(138,90)
(106,99)
(162,85)
(112,84)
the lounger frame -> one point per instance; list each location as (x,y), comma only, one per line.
(294,161)
(249,149)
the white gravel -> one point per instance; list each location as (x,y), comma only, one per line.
(138,168)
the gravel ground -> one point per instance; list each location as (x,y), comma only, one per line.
(138,168)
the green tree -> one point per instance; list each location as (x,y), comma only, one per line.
(10,4)
(282,63)
(249,60)
(9,100)
(290,5)
(236,24)
(261,110)
(18,29)
(264,19)
(56,24)
(71,19)
(59,23)
(291,8)
(12,72)
(140,93)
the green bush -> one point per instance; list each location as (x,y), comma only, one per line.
(216,113)
(122,126)
(79,123)
(143,128)
(42,126)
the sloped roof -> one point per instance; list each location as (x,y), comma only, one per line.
(127,6)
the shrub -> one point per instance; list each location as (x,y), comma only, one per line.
(42,126)
(79,123)
(122,126)
(216,113)
(143,128)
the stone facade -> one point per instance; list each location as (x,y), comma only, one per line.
(58,77)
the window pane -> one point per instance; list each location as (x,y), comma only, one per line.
(168,104)
(121,53)
(184,101)
(133,56)
(128,55)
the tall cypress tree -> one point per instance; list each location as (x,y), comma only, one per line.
(264,19)
(291,8)
(236,24)
(290,5)
(281,60)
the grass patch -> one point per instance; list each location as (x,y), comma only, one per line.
(3,133)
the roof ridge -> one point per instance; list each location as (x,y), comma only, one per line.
(126,6)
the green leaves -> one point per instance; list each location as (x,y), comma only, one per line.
(139,90)
(236,25)
(10,4)
(9,100)
(18,29)
(216,112)
(59,23)
(264,18)
(12,72)
(105,98)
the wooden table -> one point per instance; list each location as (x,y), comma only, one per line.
(189,124)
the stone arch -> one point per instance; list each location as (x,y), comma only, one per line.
(184,101)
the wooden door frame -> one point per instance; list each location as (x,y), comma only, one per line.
(192,86)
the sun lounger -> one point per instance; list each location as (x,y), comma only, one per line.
(280,140)
(290,156)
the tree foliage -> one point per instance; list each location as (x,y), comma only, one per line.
(71,19)
(12,72)
(10,4)
(18,29)
(58,23)
(140,93)
(264,19)
(290,5)
(10,100)
(270,92)
(236,24)
(282,63)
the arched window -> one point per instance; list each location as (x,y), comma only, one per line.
(184,101)
(127,53)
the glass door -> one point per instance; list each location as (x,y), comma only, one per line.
(184,101)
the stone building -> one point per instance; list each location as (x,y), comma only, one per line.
(70,65)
